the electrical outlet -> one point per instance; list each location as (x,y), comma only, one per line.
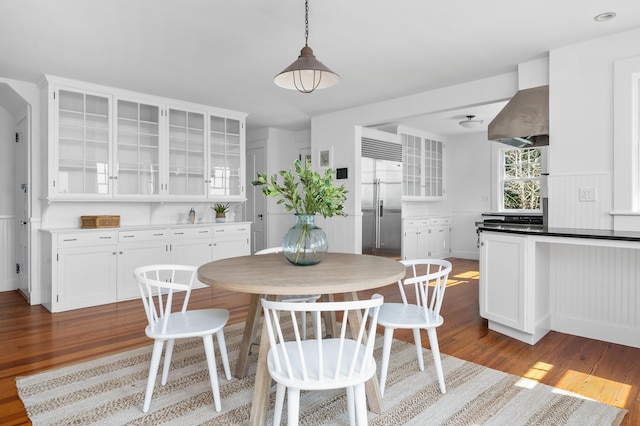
(586,194)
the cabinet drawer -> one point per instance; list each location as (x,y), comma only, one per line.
(199,232)
(224,231)
(416,222)
(148,235)
(86,239)
(437,221)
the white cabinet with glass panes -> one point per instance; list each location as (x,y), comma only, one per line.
(80,161)
(186,154)
(106,143)
(226,158)
(422,164)
(137,149)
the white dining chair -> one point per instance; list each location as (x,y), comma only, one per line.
(429,288)
(158,284)
(307,298)
(319,364)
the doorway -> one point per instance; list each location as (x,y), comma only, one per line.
(16,156)
(256,202)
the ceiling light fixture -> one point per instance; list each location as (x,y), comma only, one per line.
(470,123)
(307,73)
(604,16)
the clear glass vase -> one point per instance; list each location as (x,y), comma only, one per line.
(305,243)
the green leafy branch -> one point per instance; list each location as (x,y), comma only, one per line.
(310,193)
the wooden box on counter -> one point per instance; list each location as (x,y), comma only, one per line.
(99,221)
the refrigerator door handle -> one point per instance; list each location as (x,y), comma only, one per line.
(378,204)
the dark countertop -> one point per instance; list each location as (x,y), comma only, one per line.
(601,234)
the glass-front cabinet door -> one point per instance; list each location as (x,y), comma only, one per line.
(411,165)
(422,165)
(433,161)
(186,173)
(83,144)
(137,149)
(225,161)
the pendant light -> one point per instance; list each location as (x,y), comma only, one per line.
(470,123)
(307,73)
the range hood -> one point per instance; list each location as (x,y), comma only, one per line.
(524,121)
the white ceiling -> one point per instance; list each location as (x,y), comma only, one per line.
(225,53)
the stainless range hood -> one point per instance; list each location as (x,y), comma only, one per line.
(524,121)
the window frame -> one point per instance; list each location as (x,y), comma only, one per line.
(501,179)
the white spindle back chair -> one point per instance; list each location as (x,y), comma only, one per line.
(318,364)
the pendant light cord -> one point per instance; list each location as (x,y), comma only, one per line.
(306,22)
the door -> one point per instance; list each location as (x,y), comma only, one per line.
(256,202)
(23,206)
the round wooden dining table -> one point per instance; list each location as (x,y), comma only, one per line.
(272,276)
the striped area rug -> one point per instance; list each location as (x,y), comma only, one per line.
(110,391)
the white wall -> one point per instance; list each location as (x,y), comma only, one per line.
(468,189)
(581,128)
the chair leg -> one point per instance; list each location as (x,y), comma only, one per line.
(222,345)
(293,406)
(361,405)
(303,321)
(167,361)
(417,339)
(386,352)
(435,350)
(351,405)
(277,410)
(213,371)
(153,372)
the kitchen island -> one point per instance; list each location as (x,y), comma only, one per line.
(584,282)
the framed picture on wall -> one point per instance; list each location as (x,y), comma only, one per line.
(325,158)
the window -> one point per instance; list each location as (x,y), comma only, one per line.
(520,180)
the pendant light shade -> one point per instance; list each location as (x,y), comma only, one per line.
(307,73)
(470,123)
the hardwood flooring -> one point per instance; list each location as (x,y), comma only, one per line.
(33,340)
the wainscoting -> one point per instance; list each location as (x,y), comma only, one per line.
(595,293)
(8,276)
(567,211)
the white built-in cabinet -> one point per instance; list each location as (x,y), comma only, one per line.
(503,279)
(95,267)
(509,297)
(106,143)
(427,237)
(422,165)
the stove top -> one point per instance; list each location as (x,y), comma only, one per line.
(513,218)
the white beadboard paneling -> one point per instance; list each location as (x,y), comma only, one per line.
(597,294)
(567,211)
(8,276)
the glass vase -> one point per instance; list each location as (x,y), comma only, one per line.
(305,243)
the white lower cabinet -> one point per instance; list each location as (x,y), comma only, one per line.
(426,238)
(135,249)
(439,237)
(509,298)
(503,277)
(82,270)
(415,239)
(95,267)
(231,241)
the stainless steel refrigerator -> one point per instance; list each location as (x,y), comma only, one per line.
(381,182)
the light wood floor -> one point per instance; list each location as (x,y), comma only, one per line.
(33,340)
